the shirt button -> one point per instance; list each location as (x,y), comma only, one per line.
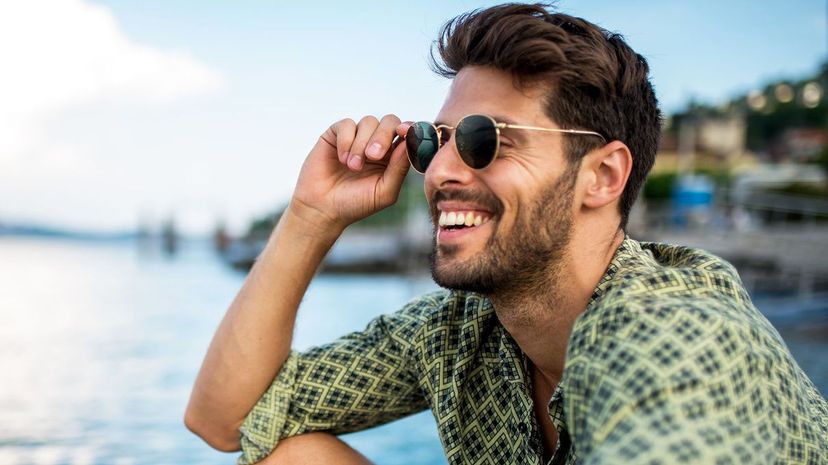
(522,428)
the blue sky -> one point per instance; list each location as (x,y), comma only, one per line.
(205,110)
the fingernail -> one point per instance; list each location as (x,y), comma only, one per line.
(354,162)
(373,150)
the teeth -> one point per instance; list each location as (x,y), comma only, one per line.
(467,219)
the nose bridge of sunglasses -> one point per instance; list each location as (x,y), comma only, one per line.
(444,133)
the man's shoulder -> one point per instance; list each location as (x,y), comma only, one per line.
(665,278)
(664,300)
(672,337)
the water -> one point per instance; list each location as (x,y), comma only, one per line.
(100,344)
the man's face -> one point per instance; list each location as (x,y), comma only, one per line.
(523,199)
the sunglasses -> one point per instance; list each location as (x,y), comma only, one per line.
(477,138)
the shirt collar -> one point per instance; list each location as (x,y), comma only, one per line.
(629,251)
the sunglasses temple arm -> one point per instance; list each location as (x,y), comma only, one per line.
(534,128)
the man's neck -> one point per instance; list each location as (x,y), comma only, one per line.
(540,319)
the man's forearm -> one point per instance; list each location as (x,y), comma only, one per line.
(254,338)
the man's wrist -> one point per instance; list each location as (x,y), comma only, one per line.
(302,237)
(311,222)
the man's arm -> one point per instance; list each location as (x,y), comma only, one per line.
(254,337)
(363,379)
(342,181)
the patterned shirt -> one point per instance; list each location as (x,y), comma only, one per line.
(669,363)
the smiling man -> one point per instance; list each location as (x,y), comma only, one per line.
(558,338)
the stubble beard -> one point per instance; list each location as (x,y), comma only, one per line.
(517,261)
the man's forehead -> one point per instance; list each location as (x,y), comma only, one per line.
(482,90)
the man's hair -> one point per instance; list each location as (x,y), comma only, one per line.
(595,81)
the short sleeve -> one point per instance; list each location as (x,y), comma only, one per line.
(361,380)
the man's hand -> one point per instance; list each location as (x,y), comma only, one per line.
(353,171)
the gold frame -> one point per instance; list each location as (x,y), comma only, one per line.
(498,127)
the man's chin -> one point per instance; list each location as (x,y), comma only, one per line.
(463,275)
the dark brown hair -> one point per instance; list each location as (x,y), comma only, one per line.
(595,81)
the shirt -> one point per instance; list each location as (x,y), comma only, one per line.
(669,363)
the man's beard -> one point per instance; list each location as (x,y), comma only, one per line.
(527,256)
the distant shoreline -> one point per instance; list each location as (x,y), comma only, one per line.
(29,230)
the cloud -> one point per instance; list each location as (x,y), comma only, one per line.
(57,54)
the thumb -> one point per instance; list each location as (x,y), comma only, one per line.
(394,174)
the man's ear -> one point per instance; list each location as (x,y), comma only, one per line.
(607,170)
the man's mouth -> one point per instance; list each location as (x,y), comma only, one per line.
(460,215)
(454,220)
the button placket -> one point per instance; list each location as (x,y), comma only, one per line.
(555,410)
(514,369)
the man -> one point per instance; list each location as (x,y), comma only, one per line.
(559,338)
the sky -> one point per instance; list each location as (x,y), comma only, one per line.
(116,113)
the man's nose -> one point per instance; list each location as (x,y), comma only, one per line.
(447,167)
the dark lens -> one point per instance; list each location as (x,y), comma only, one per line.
(476,139)
(421,144)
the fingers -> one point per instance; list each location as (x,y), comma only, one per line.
(369,139)
(380,142)
(398,166)
(343,133)
(365,129)
(394,175)
(402,128)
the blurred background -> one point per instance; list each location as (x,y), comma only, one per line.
(147,149)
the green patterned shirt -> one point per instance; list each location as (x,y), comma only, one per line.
(669,363)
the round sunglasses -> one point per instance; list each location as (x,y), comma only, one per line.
(477,138)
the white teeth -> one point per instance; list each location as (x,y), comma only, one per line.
(467,219)
(451,218)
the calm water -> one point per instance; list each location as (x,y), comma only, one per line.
(99,347)
(100,344)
